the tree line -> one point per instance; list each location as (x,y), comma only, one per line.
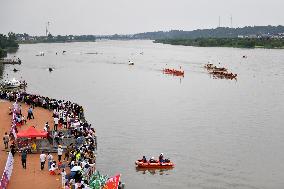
(269,43)
(25,38)
(7,43)
(220,32)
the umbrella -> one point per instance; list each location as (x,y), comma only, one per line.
(76,168)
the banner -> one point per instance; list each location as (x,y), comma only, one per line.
(10,160)
(7,172)
(14,123)
(112,182)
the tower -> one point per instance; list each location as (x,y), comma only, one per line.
(47,28)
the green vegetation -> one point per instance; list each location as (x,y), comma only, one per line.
(227,42)
(69,38)
(220,32)
(25,38)
(7,43)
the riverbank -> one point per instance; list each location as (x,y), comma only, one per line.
(227,42)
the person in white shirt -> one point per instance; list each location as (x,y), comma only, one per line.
(54,113)
(59,152)
(53,166)
(24,121)
(64,121)
(49,160)
(47,126)
(63,175)
(56,120)
(42,158)
(68,121)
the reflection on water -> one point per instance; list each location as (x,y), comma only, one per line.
(1,70)
(154,171)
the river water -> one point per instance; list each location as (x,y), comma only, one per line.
(219,133)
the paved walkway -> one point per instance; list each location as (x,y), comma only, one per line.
(32,177)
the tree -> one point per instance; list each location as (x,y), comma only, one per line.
(12,36)
(7,43)
(49,37)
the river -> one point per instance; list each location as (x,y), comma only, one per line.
(219,133)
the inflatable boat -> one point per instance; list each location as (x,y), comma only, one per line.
(157,165)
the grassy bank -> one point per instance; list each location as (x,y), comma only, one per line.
(226,42)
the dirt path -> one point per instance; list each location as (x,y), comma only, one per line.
(32,176)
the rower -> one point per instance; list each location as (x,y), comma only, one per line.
(152,160)
(144,160)
(161,158)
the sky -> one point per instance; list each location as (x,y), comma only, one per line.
(104,17)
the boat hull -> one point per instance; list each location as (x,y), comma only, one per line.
(158,165)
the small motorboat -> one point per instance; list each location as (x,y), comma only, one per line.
(40,54)
(15,70)
(157,165)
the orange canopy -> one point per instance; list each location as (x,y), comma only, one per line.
(31,132)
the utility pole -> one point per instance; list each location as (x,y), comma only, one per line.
(46,31)
(46,28)
(231,21)
(219,22)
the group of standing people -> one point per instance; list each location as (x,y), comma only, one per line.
(153,160)
(44,102)
(67,116)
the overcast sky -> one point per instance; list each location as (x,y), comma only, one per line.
(133,16)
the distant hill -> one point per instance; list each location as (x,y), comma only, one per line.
(221,32)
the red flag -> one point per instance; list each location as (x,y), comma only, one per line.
(112,182)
